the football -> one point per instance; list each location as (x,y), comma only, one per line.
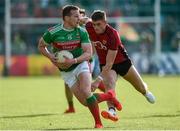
(62,55)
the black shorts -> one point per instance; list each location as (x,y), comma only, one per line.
(121,68)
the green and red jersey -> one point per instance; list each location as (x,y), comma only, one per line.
(63,39)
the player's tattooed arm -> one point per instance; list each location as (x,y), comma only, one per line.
(42,46)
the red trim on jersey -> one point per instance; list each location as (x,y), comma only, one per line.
(67,45)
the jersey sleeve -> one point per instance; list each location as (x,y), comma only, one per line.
(84,37)
(114,41)
(47,37)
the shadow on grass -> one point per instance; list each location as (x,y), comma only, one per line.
(83,128)
(69,129)
(24,116)
(161,115)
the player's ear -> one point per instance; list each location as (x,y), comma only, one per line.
(66,18)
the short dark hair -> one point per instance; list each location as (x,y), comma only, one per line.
(98,15)
(82,11)
(66,11)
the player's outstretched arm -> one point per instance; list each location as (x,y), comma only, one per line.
(111,55)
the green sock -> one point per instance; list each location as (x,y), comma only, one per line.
(91,99)
(94,108)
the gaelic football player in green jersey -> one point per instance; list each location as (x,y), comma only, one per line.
(95,70)
(75,72)
(68,93)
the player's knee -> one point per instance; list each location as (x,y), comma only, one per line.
(110,82)
(86,92)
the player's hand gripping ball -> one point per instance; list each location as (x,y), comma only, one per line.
(63,55)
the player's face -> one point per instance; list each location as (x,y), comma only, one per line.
(74,18)
(82,15)
(99,26)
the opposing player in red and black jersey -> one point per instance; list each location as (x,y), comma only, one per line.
(113,59)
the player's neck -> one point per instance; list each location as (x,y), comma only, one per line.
(67,26)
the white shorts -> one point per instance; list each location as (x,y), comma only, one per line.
(71,77)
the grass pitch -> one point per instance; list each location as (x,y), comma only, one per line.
(39,103)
